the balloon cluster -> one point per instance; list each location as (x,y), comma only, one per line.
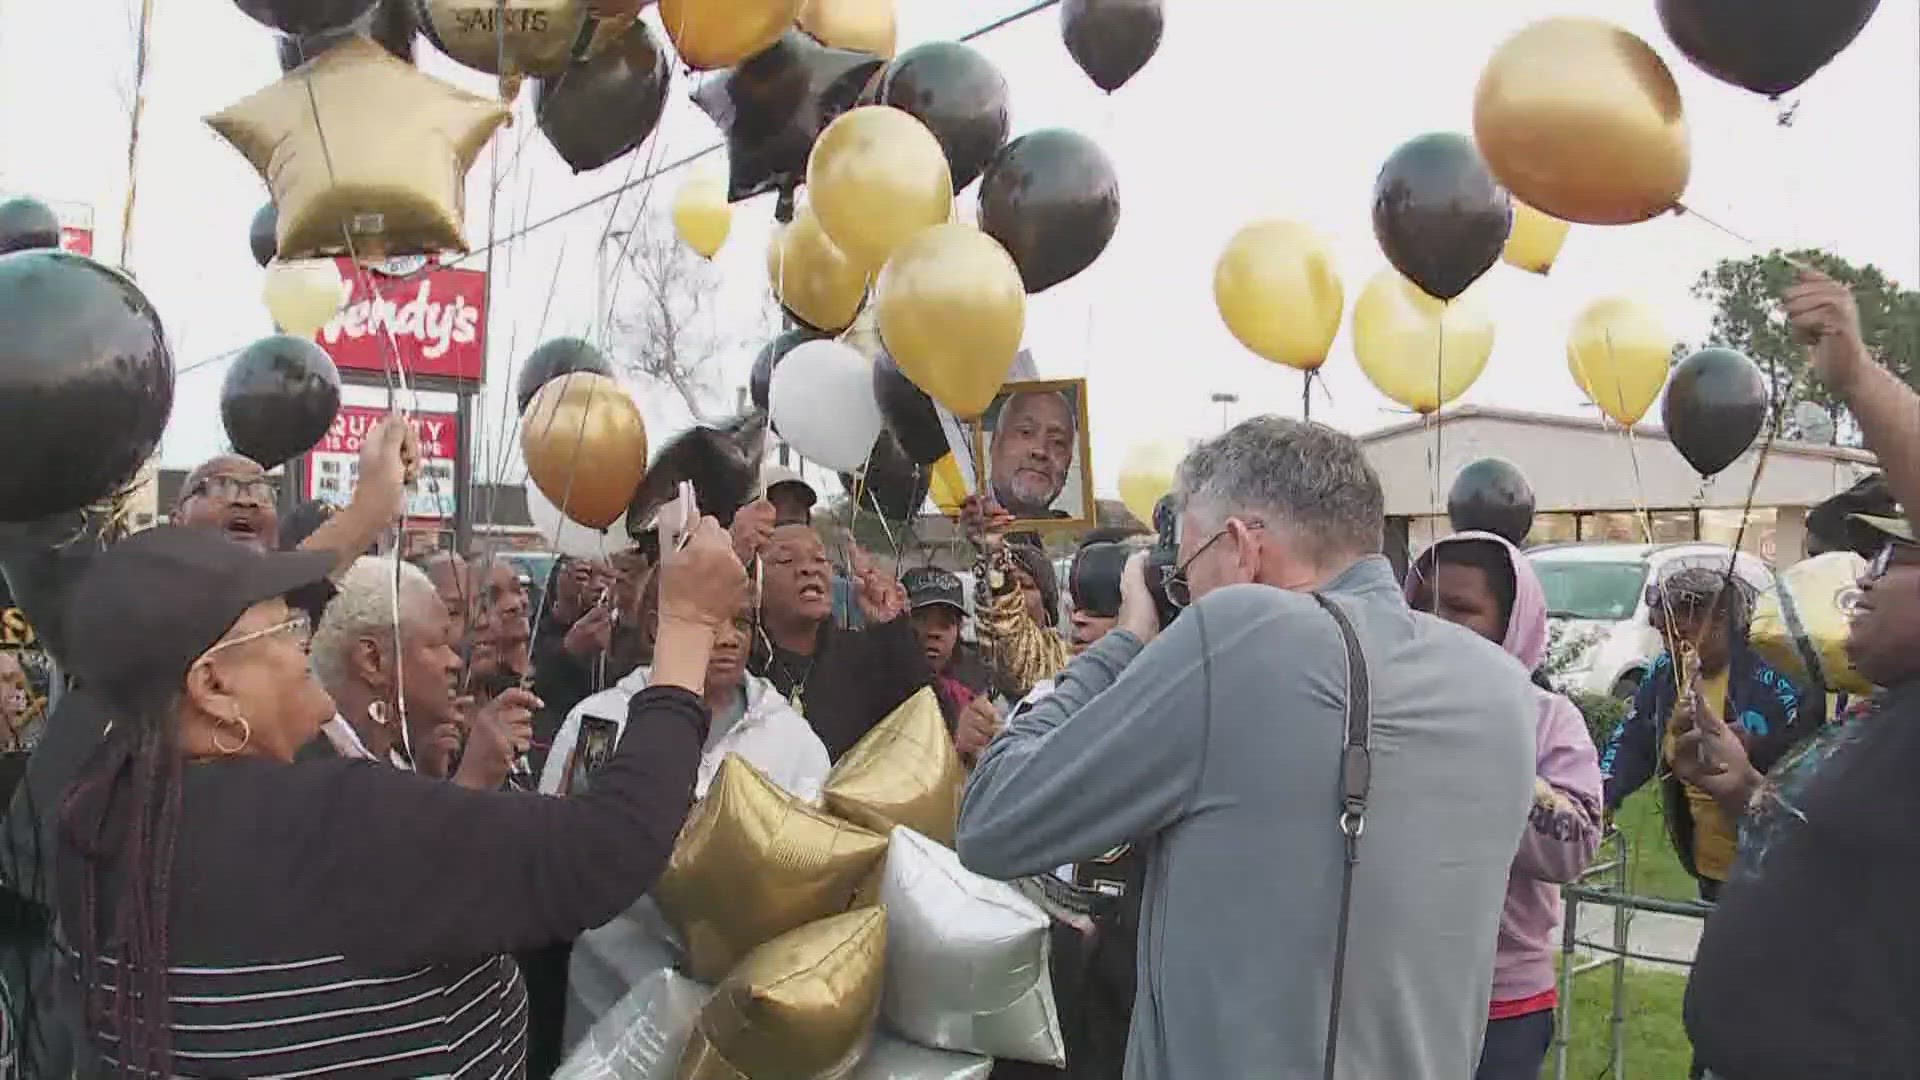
(856,910)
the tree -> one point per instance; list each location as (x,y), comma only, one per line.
(669,326)
(1747,317)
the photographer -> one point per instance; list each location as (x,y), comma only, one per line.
(1293,765)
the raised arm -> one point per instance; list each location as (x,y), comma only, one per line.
(388,460)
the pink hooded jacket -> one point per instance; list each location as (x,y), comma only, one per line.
(1564,829)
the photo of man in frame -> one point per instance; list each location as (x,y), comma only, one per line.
(1035,445)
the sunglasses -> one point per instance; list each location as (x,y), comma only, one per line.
(1173,579)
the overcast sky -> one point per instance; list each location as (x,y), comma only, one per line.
(1250,110)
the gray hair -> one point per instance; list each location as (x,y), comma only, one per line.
(1294,475)
(363,608)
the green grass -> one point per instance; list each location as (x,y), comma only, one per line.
(1656,1040)
(1653,870)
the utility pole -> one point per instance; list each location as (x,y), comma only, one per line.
(1226,402)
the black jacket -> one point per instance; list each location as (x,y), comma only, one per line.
(851,682)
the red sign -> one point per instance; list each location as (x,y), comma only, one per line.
(435,318)
(333,467)
(77,240)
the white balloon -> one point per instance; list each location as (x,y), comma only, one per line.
(301,296)
(568,536)
(642,1036)
(822,404)
(897,1059)
(967,958)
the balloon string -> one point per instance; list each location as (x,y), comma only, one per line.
(143,45)
(1681,208)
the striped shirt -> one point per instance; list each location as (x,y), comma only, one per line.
(348,919)
(330,1016)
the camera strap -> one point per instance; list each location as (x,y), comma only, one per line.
(1356,775)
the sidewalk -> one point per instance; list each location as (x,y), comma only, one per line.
(1649,934)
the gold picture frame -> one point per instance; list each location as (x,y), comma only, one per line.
(1071,505)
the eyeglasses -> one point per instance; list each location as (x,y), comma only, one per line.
(1895,553)
(1173,579)
(300,626)
(234,488)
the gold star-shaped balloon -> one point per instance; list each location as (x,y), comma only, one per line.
(357,143)
(752,863)
(903,772)
(800,1005)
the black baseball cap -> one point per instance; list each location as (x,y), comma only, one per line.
(152,603)
(928,586)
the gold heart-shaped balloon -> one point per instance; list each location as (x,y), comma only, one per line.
(539,36)
(752,863)
(903,772)
(800,1005)
(356,143)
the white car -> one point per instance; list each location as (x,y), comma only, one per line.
(1597,605)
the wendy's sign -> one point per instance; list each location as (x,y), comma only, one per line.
(432,319)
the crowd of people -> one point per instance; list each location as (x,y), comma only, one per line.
(303,810)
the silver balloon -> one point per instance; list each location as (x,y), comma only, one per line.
(642,1036)
(610,960)
(966,958)
(897,1059)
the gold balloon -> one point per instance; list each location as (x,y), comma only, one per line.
(712,34)
(303,296)
(903,772)
(701,213)
(1535,240)
(1419,351)
(1800,625)
(948,488)
(393,169)
(1279,291)
(537,38)
(801,1005)
(877,177)
(861,25)
(1583,121)
(1619,352)
(815,280)
(952,312)
(586,447)
(752,863)
(1147,475)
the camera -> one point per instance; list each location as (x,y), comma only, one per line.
(1094,579)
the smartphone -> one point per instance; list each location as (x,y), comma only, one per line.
(677,519)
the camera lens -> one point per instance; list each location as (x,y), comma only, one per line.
(1095,578)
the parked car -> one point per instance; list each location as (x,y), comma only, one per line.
(1597,604)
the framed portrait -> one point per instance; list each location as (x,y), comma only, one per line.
(1035,454)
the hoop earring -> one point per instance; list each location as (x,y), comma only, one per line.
(246,736)
(377,712)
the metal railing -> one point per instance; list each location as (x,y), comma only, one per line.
(1606,883)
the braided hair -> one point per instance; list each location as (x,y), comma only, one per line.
(123,815)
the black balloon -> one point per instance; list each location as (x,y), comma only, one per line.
(86,382)
(1440,216)
(1111,40)
(1767,46)
(722,463)
(27,224)
(760,380)
(302,17)
(775,104)
(1715,406)
(1051,199)
(891,484)
(1491,495)
(280,397)
(605,106)
(957,93)
(554,359)
(911,415)
(392,24)
(263,235)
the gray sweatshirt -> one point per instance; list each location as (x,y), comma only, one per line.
(1229,778)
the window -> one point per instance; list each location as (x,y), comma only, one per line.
(1584,589)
